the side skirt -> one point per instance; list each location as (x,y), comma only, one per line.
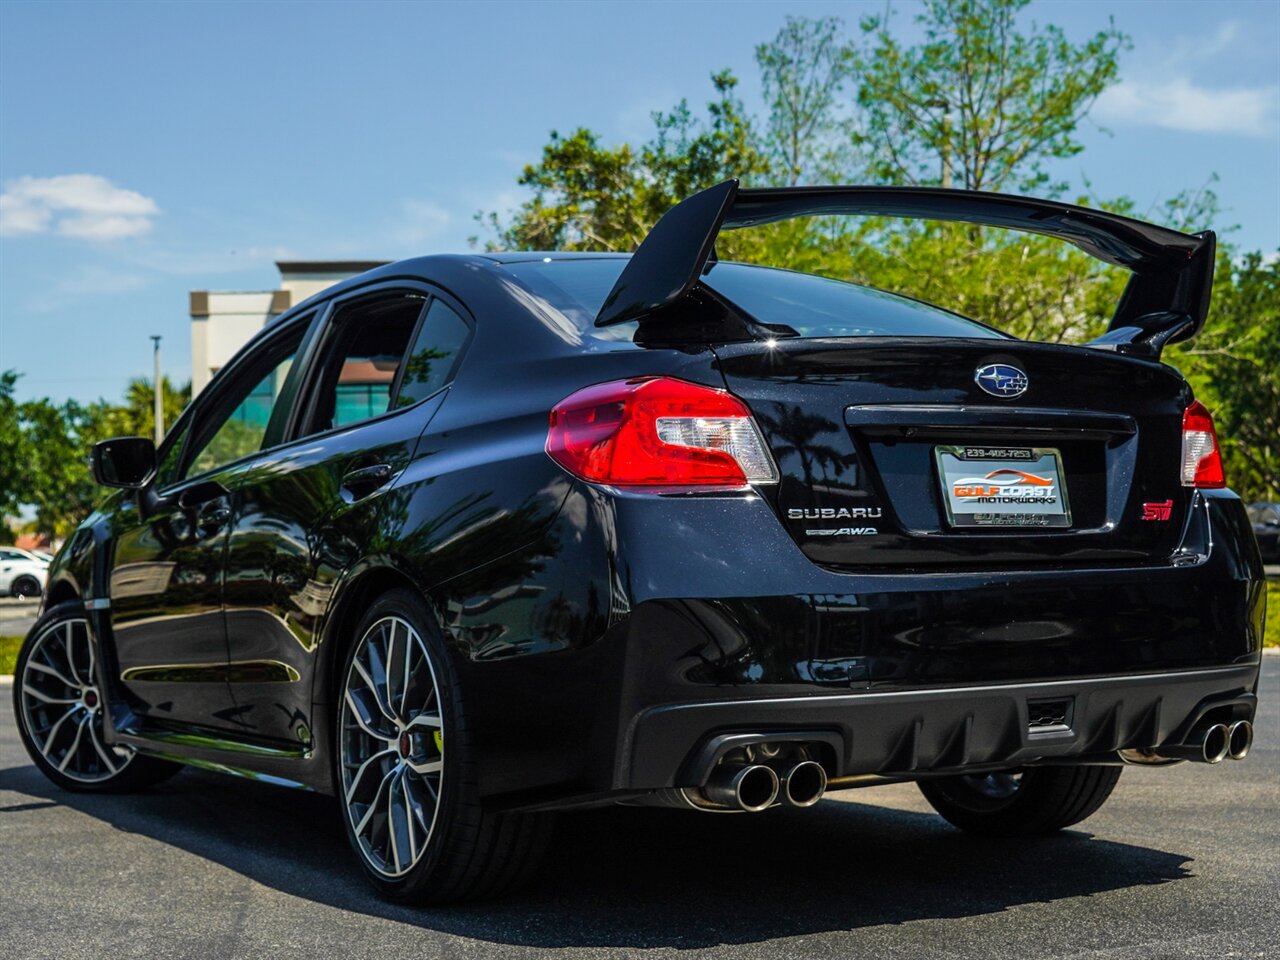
(297,767)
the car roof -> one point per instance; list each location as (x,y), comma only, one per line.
(527,256)
(431,265)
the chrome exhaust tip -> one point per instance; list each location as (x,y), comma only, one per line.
(1211,744)
(804,784)
(1239,739)
(1216,744)
(752,788)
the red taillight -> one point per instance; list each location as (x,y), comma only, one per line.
(1201,460)
(658,432)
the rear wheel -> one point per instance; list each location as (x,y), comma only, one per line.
(1021,803)
(25,586)
(407,772)
(61,717)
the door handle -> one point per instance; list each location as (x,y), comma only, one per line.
(214,515)
(364,480)
(211,516)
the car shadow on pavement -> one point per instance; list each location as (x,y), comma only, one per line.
(644,877)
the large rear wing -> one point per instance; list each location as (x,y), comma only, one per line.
(1166,299)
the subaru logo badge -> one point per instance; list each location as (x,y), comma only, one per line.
(1001,380)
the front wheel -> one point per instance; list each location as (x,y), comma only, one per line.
(60,711)
(407,771)
(1021,802)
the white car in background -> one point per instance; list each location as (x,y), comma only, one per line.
(22,573)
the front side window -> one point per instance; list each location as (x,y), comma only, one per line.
(167,469)
(237,420)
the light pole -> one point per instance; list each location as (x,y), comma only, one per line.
(158,392)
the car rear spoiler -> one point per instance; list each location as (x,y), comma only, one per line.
(1165,301)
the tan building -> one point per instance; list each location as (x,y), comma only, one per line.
(223,321)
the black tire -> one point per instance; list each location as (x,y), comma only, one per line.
(25,586)
(1039,800)
(92,766)
(470,852)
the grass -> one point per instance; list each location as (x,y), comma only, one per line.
(9,645)
(9,653)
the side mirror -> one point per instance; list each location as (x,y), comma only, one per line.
(127,462)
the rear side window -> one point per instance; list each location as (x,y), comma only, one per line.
(809,305)
(364,346)
(382,352)
(435,352)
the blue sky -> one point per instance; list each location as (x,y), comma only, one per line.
(149,149)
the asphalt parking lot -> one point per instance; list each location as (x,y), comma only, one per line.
(17,616)
(1180,863)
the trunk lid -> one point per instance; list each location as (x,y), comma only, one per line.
(867,431)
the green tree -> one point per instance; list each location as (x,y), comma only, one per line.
(136,417)
(14,454)
(1234,367)
(803,72)
(58,483)
(589,197)
(983,101)
(45,448)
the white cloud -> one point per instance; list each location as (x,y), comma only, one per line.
(1179,104)
(81,205)
(1160,89)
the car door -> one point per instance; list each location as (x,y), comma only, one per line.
(10,568)
(306,512)
(168,546)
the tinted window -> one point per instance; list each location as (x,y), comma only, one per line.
(167,470)
(233,424)
(819,307)
(435,351)
(811,306)
(364,346)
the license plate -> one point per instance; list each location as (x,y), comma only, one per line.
(984,486)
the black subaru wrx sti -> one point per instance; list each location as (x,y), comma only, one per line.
(469,539)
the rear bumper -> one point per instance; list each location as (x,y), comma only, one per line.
(915,672)
(906,733)
(683,631)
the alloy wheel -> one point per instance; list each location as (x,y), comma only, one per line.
(62,705)
(391,739)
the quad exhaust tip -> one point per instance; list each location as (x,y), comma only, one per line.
(1239,739)
(1210,744)
(804,784)
(1216,745)
(752,787)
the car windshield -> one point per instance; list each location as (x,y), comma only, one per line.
(811,306)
